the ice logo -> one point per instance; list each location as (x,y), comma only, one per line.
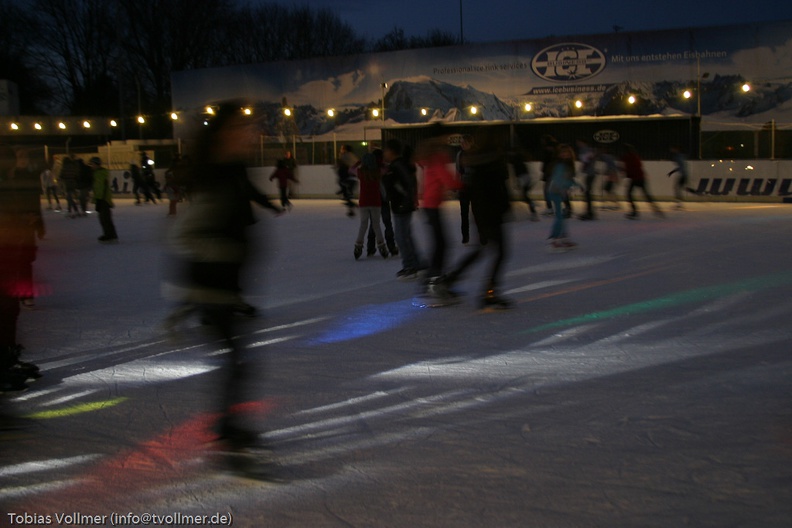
(606,136)
(567,62)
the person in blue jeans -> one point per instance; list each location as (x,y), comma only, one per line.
(563,179)
(401,188)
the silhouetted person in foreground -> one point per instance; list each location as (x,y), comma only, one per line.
(21,224)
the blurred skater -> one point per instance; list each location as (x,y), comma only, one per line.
(284,175)
(49,186)
(464,194)
(84,185)
(68,177)
(346,168)
(610,173)
(434,157)
(562,181)
(633,170)
(21,224)
(139,185)
(385,216)
(681,169)
(523,175)
(147,167)
(487,172)
(175,177)
(588,158)
(210,241)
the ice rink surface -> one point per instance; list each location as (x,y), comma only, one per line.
(644,379)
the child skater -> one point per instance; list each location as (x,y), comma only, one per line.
(369,204)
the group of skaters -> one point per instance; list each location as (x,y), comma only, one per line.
(390,194)
(80,183)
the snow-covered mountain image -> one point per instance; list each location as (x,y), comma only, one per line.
(445,102)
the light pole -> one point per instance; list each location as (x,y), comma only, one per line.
(461,25)
(140,111)
(331,114)
(699,77)
(383,86)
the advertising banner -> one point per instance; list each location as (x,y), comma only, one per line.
(732,76)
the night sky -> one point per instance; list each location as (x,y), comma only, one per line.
(496,20)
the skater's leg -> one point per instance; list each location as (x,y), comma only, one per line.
(590,195)
(371,241)
(557,230)
(468,260)
(438,251)
(630,199)
(497,241)
(548,202)
(365,220)
(374,215)
(387,221)
(464,209)
(402,223)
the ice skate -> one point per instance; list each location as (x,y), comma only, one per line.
(493,302)
(436,294)
(557,245)
(568,244)
(407,274)
(11,381)
(358,251)
(245,454)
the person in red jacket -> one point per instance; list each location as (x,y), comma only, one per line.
(633,169)
(438,180)
(370,203)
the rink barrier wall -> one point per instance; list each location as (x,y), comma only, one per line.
(719,180)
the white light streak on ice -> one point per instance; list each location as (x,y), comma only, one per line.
(336,422)
(37,394)
(351,401)
(70,397)
(140,372)
(22,491)
(291,325)
(538,286)
(45,465)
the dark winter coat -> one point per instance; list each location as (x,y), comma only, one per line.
(489,194)
(401,186)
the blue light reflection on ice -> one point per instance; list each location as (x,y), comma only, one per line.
(369,320)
